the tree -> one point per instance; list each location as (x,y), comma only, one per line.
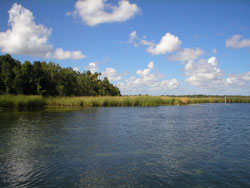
(49,79)
(7,72)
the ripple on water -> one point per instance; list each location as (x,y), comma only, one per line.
(184,146)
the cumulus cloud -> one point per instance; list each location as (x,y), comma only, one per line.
(25,37)
(76,69)
(61,54)
(204,73)
(186,54)
(145,76)
(167,84)
(237,41)
(168,43)
(147,81)
(94,12)
(207,75)
(93,67)
(238,80)
(112,74)
(28,38)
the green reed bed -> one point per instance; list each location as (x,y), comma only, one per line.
(19,101)
(139,100)
(105,101)
(229,99)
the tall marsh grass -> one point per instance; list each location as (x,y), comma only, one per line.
(19,101)
(105,101)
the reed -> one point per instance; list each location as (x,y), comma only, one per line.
(20,101)
(105,101)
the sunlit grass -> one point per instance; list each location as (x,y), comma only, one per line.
(105,101)
(19,101)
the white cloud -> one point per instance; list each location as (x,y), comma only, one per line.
(186,54)
(147,81)
(237,41)
(170,84)
(25,37)
(95,12)
(132,37)
(204,73)
(145,75)
(28,38)
(213,61)
(146,43)
(76,69)
(168,43)
(112,74)
(246,76)
(61,54)
(93,67)
(167,84)
(238,80)
(151,65)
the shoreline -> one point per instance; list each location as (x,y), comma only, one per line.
(34,101)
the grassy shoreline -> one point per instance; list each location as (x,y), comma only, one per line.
(22,101)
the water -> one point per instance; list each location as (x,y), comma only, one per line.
(185,146)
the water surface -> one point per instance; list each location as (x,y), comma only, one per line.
(185,146)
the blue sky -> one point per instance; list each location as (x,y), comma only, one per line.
(143,46)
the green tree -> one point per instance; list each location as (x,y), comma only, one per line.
(49,79)
(8,75)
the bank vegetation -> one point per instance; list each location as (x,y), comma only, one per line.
(19,101)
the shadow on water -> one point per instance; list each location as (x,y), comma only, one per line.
(184,146)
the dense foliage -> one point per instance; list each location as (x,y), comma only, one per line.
(49,79)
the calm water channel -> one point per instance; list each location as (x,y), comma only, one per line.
(173,146)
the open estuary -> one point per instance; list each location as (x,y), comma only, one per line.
(197,146)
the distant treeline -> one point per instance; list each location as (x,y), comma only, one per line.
(49,79)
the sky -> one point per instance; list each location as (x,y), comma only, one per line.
(156,47)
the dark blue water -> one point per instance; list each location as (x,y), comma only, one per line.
(185,146)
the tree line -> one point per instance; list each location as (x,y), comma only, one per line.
(49,79)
